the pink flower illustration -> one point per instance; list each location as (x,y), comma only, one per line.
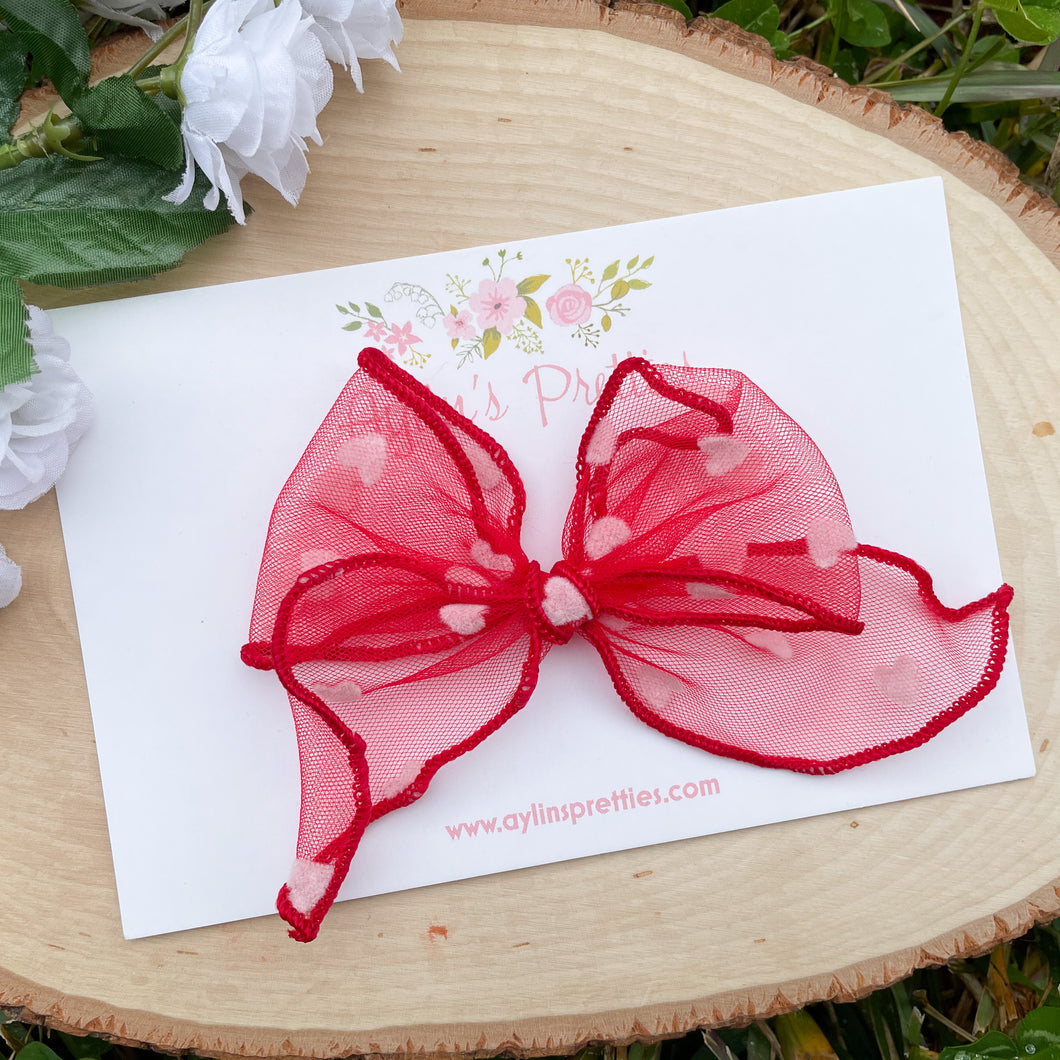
(460,326)
(571,304)
(402,337)
(375,332)
(497,305)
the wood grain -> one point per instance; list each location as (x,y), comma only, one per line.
(512,121)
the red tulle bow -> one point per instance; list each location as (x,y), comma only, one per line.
(708,558)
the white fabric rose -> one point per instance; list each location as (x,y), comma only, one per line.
(10,578)
(356,29)
(253,85)
(41,419)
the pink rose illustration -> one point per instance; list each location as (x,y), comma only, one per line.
(375,332)
(460,326)
(497,305)
(402,337)
(571,304)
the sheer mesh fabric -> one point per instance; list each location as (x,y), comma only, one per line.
(708,556)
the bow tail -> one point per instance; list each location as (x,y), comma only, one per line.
(816,701)
(336,809)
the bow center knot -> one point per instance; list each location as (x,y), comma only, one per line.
(559,601)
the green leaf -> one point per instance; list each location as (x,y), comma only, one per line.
(618,289)
(605,322)
(353,325)
(127,122)
(639,285)
(647,262)
(491,339)
(980,86)
(610,272)
(356,308)
(74,224)
(454,343)
(533,312)
(12,79)
(994,1044)
(16,354)
(680,5)
(1033,24)
(755,16)
(37,1051)
(865,25)
(530,284)
(632,263)
(373,310)
(51,32)
(343,310)
(1040,1028)
(85,1047)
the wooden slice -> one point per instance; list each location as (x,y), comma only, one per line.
(513,120)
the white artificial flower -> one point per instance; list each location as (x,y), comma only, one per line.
(253,85)
(356,29)
(130,12)
(10,578)
(41,419)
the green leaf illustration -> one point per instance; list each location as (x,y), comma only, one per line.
(353,325)
(605,322)
(354,307)
(51,32)
(373,310)
(452,310)
(619,288)
(639,285)
(455,343)
(530,284)
(647,262)
(125,121)
(343,310)
(491,339)
(73,224)
(16,354)
(632,263)
(533,312)
(610,272)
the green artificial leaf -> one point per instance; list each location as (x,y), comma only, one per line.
(993,1045)
(755,16)
(618,289)
(1040,1029)
(639,285)
(37,1051)
(125,121)
(681,6)
(491,339)
(1032,24)
(865,25)
(605,322)
(373,310)
(75,224)
(353,325)
(16,354)
(532,312)
(12,79)
(980,86)
(610,272)
(530,284)
(52,33)
(85,1047)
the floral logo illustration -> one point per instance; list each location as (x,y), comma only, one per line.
(496,310)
